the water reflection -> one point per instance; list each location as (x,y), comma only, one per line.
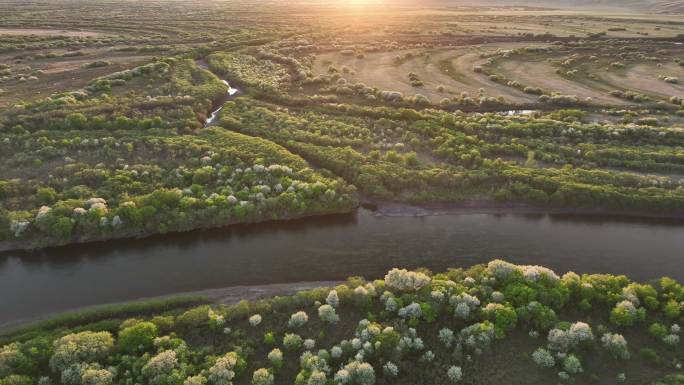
(333,247)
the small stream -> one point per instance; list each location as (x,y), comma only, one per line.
(232,92)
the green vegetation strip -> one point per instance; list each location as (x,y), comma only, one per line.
(496,323)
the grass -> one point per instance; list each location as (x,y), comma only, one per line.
(100,313)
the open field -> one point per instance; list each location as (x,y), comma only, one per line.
(451,68)
(644,78)
(543,75)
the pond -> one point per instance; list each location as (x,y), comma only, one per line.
(364,243)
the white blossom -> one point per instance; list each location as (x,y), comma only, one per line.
(262,376)
(160,364)
(223,371)
(276,357)
(404,280)
(671,340)
(309,344)
(454,373)
(543,358)
(360,373)
(327,314)
(332,299)
(298,319)
(195,380)
(390,369)
(616,344)
(412,310)
(80,347)
(336,352)
(446,336)
(255,320)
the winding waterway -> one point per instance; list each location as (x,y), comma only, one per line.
(365,243)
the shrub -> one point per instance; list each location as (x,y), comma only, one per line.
(454,374)
(658,330)
(672,309)
(226,368)
(160,364)
(616,344)
(446,337)
(80,347)
(262,377)
(543,358)
(137,337)
(626,314)
(332,299)
(502,316)
(403,280)
(195,380)
(390,369)
(327,314)
(12,360)
(275,356)
(298,319)
(356,373)
(255,320)
(269,338)
(572,364)
(292,341)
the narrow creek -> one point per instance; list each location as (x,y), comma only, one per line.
(232,92)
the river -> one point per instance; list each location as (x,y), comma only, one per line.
(366,243)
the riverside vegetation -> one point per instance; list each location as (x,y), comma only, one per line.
(496,323)
(102,124)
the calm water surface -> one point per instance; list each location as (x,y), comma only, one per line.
(39,283)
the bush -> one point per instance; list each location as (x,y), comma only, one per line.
(292,341)
(543,358)
(137,337)
(80,347)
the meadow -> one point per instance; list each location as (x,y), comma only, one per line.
(103,125)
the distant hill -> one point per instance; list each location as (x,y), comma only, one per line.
(651,6)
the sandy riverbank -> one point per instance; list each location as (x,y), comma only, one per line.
(221,296)
(395,209)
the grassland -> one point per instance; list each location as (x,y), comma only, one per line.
(495,105)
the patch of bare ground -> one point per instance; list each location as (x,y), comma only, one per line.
(60,77)
(383,71)
(73,65)
(543,75)
(643,78)
(460,70)
(47,32)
